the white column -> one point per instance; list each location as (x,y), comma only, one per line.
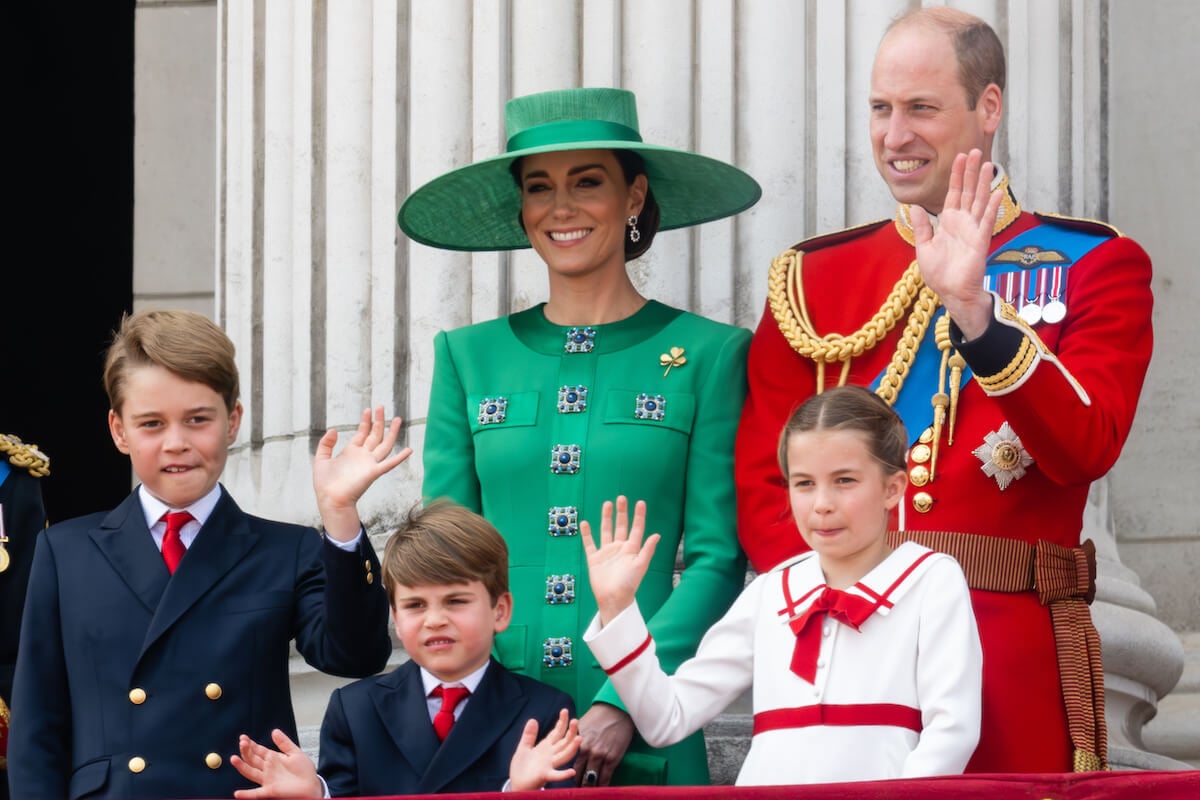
(348,164)
(437,136)
(1143,658)
(240,181)
(282,466)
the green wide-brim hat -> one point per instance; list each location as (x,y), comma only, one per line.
(476,207)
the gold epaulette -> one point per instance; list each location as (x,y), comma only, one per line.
(1093,226)
(837,237)
(24,456)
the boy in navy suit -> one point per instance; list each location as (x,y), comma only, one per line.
(446,573)
(154,634)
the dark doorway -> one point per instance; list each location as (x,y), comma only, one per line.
(69,271)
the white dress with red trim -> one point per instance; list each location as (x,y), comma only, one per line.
(897,698)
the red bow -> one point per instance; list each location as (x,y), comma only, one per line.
(848,609)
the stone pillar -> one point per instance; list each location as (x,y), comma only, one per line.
(1143,658)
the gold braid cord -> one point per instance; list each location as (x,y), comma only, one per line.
(906,349)
(791,314)
(24,456)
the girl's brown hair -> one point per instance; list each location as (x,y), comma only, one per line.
(852,408)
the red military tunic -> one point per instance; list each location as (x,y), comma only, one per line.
(1069,402)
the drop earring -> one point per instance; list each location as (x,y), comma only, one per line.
(634,234)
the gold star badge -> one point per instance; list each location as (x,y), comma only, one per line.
(1003,456)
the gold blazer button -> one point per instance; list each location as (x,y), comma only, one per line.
(919,475)
(212,761)
(137,764)
(213,691)
(137,696)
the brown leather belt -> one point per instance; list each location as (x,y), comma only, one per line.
(1065,581)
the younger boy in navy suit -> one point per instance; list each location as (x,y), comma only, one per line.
(446,573)
(154,634)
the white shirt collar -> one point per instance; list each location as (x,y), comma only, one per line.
(200,510)
(431,682)
(154,508)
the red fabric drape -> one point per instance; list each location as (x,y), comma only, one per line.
(1121,785)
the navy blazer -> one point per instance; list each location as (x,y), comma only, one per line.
(133,683)
(377,738)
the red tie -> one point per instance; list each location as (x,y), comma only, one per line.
(444,719)
(172,545)
(849,609)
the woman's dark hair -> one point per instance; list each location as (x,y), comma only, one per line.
(632,165)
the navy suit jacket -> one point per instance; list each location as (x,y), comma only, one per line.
(134,683)
(377,738)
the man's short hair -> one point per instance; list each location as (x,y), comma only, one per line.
(978,49)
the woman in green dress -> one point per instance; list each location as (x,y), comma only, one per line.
(535,418)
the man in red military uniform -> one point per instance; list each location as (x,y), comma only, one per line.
(1013,344)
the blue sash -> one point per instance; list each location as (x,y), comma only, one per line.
(4,470)
(1045,246)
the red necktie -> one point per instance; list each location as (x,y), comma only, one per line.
(849,609)
(444,719)
(172,545)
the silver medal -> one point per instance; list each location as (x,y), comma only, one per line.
(1054,312)
(1031,312)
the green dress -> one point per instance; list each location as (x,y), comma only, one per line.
(535,425)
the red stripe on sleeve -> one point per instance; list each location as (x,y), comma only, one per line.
(641,648)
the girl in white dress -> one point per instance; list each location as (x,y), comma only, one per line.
(864,660)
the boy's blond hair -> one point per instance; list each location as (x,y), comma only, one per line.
(444,543)
(186,343)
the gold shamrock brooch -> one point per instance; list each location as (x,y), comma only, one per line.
(675,358)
